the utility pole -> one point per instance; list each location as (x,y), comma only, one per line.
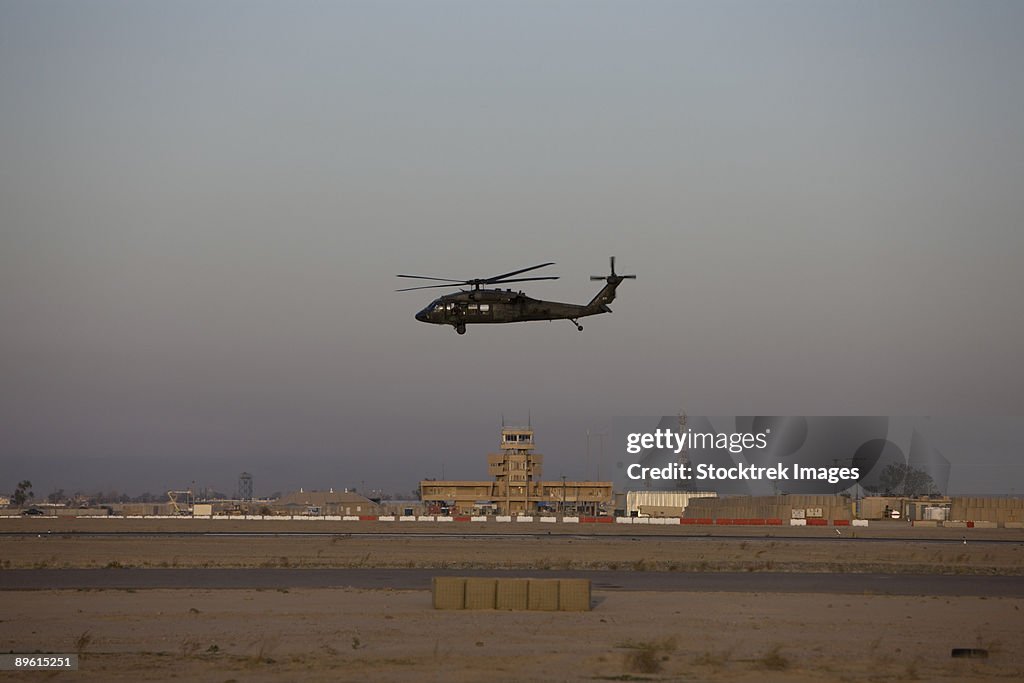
(600,451)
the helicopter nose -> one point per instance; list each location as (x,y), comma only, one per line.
(422,316)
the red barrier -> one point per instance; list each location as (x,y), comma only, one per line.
(724,521)
(596,520)
(697,520)
(817,522)
(367,518)
(970,525)
(773,522)
(461,519)
(840,522)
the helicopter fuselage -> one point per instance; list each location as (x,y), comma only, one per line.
(499,306)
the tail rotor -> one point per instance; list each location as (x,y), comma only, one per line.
(613,278)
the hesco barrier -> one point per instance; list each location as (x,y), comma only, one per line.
(999,510)
(548,595)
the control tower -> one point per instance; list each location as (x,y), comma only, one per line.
(516,468)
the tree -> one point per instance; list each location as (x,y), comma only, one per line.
(23,493)
(899,479)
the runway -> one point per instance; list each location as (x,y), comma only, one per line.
(603,580)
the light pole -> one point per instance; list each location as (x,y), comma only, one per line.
(587,474)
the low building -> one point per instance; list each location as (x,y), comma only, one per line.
(141,509)
(317,503)
(661,503)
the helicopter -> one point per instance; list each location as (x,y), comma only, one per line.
(480,305)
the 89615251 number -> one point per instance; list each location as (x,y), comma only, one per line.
(27,662)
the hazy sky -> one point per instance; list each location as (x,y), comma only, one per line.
(203,206)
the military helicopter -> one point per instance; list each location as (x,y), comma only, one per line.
(480,305)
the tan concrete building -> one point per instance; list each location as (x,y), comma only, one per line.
(316,503)
(517,487)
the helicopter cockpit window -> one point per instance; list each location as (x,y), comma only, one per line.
(451,306)
(484,308)
(439,307)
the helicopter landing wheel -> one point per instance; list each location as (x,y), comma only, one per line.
(579,327)
(461,329)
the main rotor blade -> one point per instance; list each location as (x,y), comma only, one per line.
(409,289)
(424,277)
(523,279)
(459,283)
(494,279)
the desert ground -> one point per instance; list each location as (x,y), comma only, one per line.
(350,635)
(831,553)
(347,634)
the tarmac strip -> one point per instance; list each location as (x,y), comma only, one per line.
(602,580)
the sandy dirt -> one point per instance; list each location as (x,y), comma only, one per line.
(488,552)
(350,635)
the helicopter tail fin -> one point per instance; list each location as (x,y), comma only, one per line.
(599,304)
